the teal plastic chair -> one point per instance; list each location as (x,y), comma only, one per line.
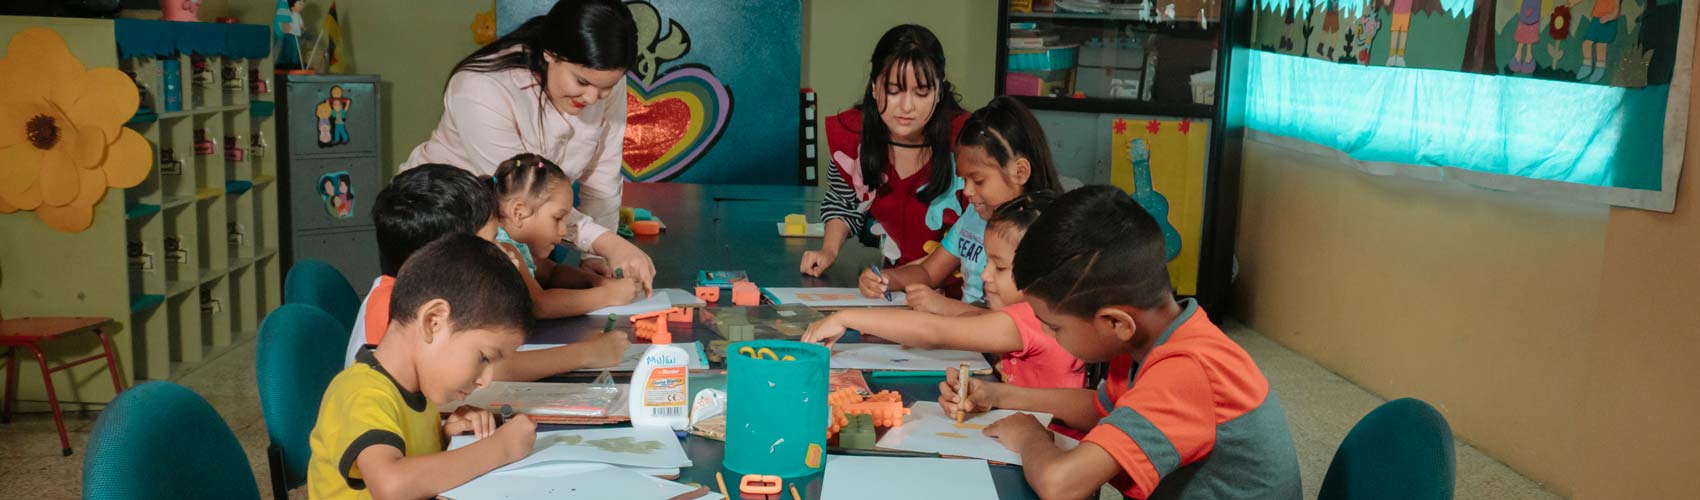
(314,282)
(300,350)
(1400,451)
(161,441)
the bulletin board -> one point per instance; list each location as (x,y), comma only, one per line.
(715,94)
(1160,163)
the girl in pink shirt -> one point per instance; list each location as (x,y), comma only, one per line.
(554,87)
(1028,355)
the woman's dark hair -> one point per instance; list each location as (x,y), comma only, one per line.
(911,46)
(597,34)
(1015,216)
(1007,130)
(1094,247)
(526,174)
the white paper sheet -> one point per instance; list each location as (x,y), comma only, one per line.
(570,482)
(655,302)
(681,297)
(831,297)
(928,429)
(887,478)
(893,357)
(634,354)
(555,447)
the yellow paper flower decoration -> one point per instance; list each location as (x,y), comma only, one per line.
(62,135)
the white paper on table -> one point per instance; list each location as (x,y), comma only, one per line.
(928,429)
(831,297)
(893,357)
(891,478)
(655,302)
(810,230)
(679,297)
(634,354)
(552,448)
(570,482)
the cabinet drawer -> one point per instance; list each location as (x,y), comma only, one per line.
(331,193)
(333,117)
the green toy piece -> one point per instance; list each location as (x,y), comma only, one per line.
(858,434)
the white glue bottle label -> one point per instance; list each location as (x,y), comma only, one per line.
(659,394)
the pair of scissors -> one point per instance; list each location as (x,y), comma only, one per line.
(763,353)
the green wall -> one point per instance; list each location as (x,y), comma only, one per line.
(413,56)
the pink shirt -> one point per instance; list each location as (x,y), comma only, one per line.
(490,117)
(1041,362)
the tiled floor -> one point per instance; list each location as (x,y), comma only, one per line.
(1321,407)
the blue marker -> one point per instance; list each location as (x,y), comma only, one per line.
(876,269)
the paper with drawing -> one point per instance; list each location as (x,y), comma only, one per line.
(641,447)
(887,478)
(893,357)
(928,429)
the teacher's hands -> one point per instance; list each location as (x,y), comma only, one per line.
(623,256)
(815,262)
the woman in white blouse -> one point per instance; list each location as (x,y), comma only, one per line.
(555,86)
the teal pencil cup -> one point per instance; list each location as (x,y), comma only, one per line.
(776,410)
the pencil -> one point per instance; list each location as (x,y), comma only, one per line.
(961,390)
(794,495)
(722,481)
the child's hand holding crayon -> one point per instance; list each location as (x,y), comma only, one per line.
(871,283)
(982,395)
(619,291)
(605,349)
(516,437)
(825,331)
(478,421)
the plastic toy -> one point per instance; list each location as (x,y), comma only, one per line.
(885,408)
(709,294)
(858,433)
(646,228)
(653,326)
(755,484)
(745,293)
(796,225)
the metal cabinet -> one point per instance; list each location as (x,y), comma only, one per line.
(331,169)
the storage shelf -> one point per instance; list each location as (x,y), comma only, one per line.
(209,275)
(144,302)
(179,287)
(208,194)
(1120,106)
(261,180)
(170,202)
(140,210)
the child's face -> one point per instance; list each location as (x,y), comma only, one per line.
(996,278)
(329,188)
(1093,340)
(546,224)
(456,362)
(987,184)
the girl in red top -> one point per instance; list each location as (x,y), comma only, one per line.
(891,155)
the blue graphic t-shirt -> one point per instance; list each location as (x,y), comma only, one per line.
(967,241)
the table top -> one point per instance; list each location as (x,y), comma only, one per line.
(37,328)
(729,227)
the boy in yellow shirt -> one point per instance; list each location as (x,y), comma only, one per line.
(458,308)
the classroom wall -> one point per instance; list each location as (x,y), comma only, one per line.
(1639,439)
(1479,302)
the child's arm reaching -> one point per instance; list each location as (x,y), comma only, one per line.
(568,276)
(550,303)
(925,299)
(390,474)
(1052,471)
(600,351)
(993,333)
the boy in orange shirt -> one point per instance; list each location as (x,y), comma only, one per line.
(1185,412)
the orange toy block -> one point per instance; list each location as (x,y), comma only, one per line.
(755,484)
(653,326)
(886,408)
(745,293)
(709,294)
(684,315)
(646,228)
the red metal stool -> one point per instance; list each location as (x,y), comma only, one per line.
(29,333)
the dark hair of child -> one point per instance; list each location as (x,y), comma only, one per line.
(481,285)
(1094,247)
(423,204)
(1007,130)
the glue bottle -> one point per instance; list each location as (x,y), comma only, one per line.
(659,394)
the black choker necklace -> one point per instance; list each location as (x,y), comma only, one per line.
(896,144)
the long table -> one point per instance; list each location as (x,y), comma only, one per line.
(726,227)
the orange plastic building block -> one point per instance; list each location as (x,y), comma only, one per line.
(709,294)
(684,315)
(886,408)
(646,227)
(756,484)
(745,293)
(653,326)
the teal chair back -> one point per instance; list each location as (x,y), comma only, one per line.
(301,348)
(314,282)
(161,441)
(1400,451)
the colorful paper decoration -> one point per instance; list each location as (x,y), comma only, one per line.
(62,135)
(1160,163)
